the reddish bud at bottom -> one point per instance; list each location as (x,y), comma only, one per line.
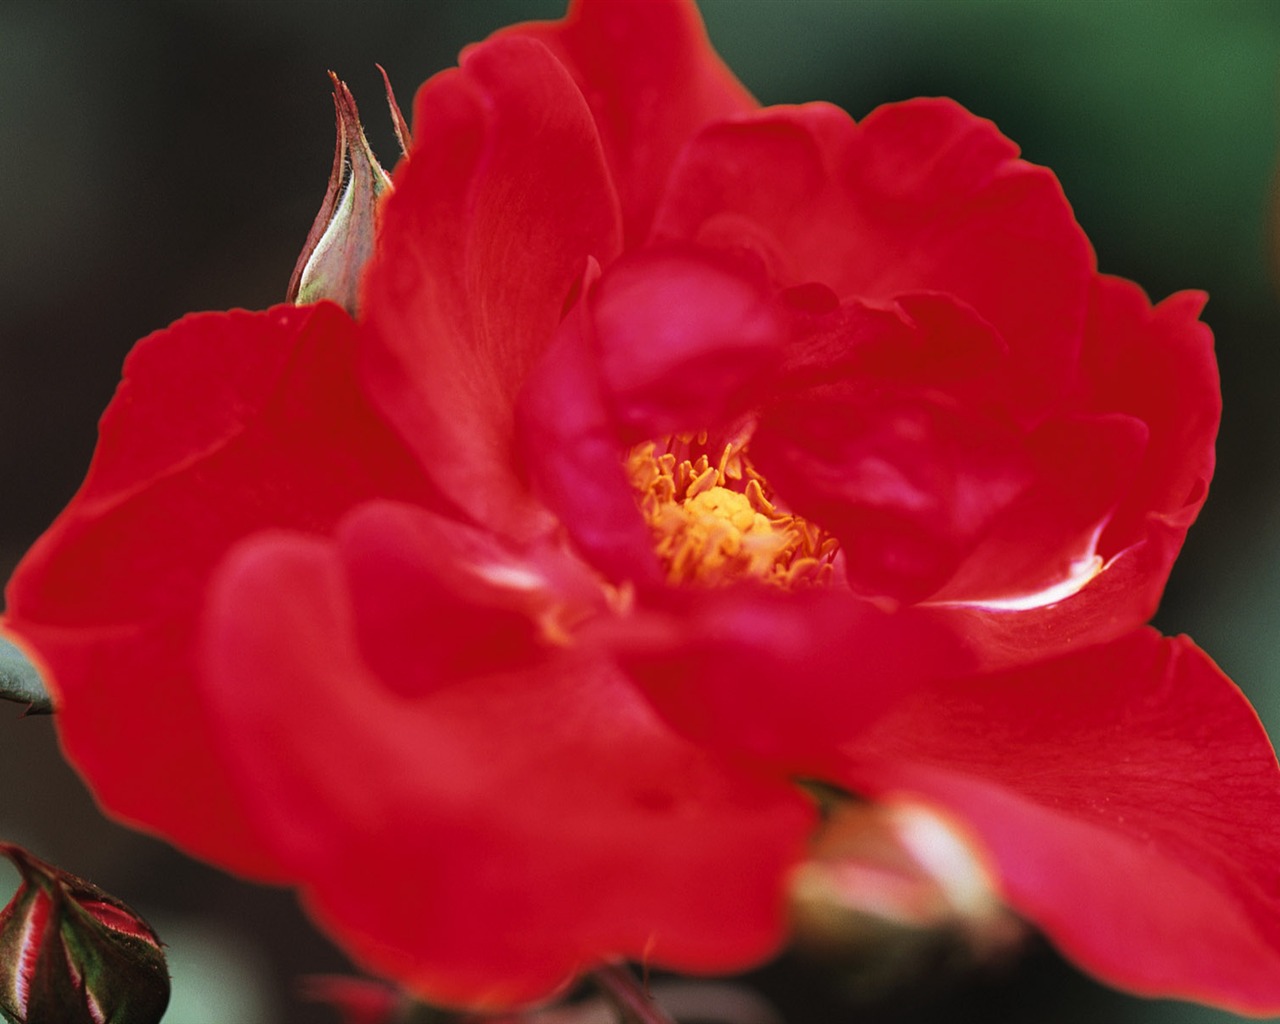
(900,892)
(358,1000)
(72,954)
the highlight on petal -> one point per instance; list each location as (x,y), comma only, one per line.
(1044,546)
(225,423)
(602,834)
(503,199)
(1126,797)
(1118,598)
(652,80)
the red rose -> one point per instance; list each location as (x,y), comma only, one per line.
(681,449)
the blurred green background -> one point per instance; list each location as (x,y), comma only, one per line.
(163,156)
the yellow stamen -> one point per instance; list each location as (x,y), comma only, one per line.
(716,522)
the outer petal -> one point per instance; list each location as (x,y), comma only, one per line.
(224,423)
(504,197)
(1126,798)
(921,196)
(484,843)
(652,81)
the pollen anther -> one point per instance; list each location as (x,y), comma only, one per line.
(716,522)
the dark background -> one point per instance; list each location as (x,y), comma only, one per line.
(159,157)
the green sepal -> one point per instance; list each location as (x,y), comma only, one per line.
(20,682)
(342,238)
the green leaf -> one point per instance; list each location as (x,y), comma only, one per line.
(19,681)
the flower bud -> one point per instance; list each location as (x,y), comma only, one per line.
(341,239)
(897,890)
(369,1001)
(72,954)
(357,1000)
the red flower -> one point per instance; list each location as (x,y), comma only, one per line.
(682,448)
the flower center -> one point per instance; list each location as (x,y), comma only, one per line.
(715,523)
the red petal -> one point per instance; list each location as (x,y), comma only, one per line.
(924,339)
(783,677)
(574,453)
(488,608)
(1126,797)
(652,81)
(896,430)
(503,199)
(485,843)
(906,483)
(224,423)
(684,340)
(890,429)
(921,196)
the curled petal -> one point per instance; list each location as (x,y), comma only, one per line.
(576,826)
(1043,546)
(1114,601)
(224,424)
(503,199)
(1125,797)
